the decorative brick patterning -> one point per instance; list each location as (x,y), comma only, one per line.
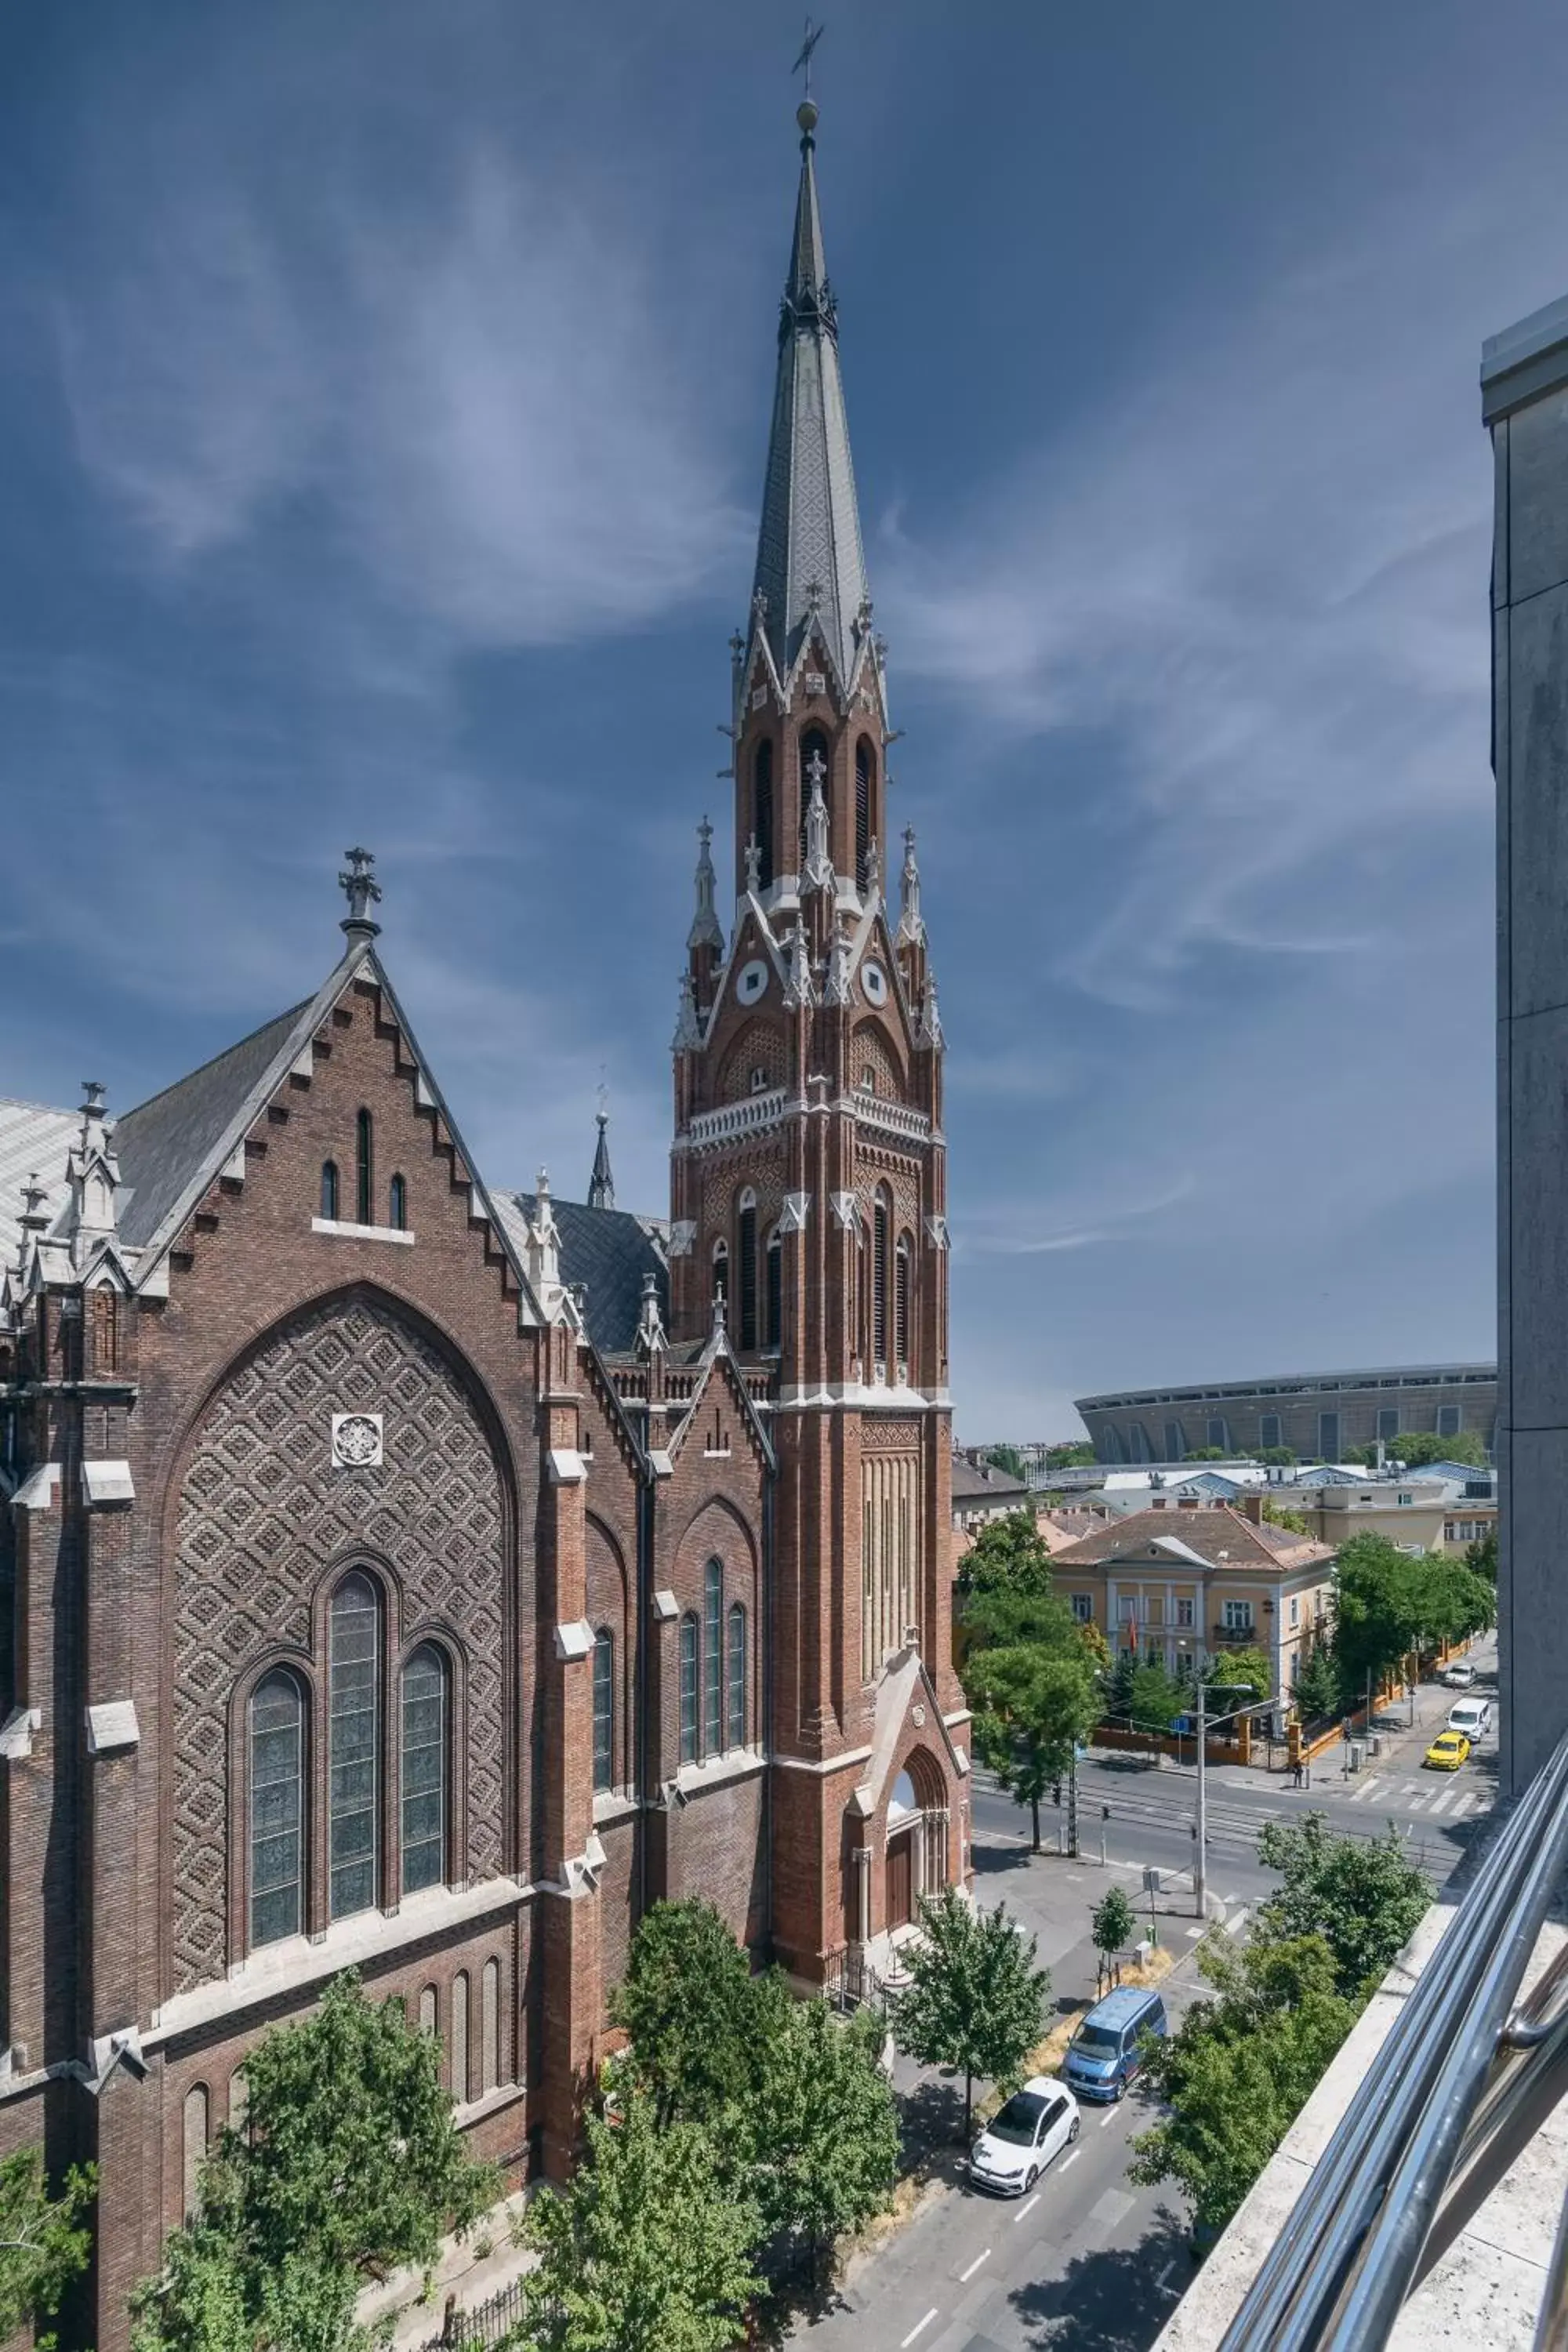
(263,1513)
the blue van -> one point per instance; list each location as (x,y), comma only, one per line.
(1103,2054)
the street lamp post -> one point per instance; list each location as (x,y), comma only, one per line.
(1200,1863)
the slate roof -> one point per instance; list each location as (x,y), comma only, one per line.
(970,1484)
(810,536)
(165,1139)
(1209,1532)
(34,1139)
(609,1251)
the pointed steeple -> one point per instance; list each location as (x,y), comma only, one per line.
(810,563)
(705,931)
(601,1184)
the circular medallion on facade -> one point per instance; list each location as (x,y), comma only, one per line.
(356,1441)
(752,982)
(874,981)
(917,1716)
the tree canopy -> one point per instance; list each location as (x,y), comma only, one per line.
(975,2001)
(1362,1897)
(1239,2069)
(1114,1922)
(689,2002)
(44,2239)
(1389,1601)
(1032,1706)
(1009,1554)
(1006,1458)
(1318,1689)
(349,2164)
(647,2249)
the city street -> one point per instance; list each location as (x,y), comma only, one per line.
(1090,2264)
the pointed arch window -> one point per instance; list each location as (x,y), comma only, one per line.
(277,1809)
(901,1268)
(713,1661)
(735,1726)
(330,1192)
(762,809)
(775,1336)
(363,1171)
(813,746)
(354,1735)
(688,1649)
(746,1251)
(880,1221)
(863,772)
(426,1717)
(604,1710)
(397,1205)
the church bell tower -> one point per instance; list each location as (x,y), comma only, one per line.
(809,1193)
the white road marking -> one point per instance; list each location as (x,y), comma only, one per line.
(1070,2157)
(1359,1796)
(1108,2117)
(1414,1804)
(1234,1925)
(1019,2216)
(919,2326)
(965,2276)
(1191,1934)
(1441,1804)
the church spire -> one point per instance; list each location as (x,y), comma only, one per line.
(810,564)
(601,1184)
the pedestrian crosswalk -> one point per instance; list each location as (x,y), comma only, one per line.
(1419,1796)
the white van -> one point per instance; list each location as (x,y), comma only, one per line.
(1470,1716)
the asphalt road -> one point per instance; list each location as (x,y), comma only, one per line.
(1090,2264)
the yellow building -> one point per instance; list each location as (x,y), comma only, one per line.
(1181,1577)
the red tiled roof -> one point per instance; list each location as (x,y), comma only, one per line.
(1209,1532)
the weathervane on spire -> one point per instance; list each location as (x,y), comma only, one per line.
(362,891)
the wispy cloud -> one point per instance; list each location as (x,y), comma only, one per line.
(482,393)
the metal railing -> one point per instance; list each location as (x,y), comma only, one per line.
(1463,2081)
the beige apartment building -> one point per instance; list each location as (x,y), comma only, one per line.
(1180,1577)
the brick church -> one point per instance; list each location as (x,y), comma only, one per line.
(403,1571)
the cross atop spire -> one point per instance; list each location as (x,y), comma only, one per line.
(811,571)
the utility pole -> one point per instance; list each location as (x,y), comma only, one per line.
(1200,1873)
(1072,1805)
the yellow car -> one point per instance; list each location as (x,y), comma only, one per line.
(1449,1752)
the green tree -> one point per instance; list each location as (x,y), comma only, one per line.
(1008,1555)
(1318,1687)
(44,2241)
(1006,1458)
(1238,2072)
(1032,1706)
(1451,1600)
(688,2002)
(1117,1680)
(1155,1699)
(820,2127)
(1480,1559)
(1376,1608)
(647,2247)
(1077,1456)
(975,2001)
(1282,1457)
(348,2165)
(1245,1677)
(1360,1896)
(1113,1923)
(1296,1522)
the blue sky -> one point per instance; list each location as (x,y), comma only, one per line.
(382,399)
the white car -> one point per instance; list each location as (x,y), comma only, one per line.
(1459,1676)
(1015,2146)
(1470,1716)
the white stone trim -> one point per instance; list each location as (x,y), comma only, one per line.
(287,1966)
(16,1732)
(361,1232)
(575,1641)
(666,1607)
(715,1771)
(822,1764)
(36,1492)
(794,1212)
(567,1467)
(107,1482)
(112,1726)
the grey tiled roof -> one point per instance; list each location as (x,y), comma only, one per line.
(970,1484)
(34,1139)
(164,1141)
(609,1251)
(811,524)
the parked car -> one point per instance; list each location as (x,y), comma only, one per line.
(1470,1716)
(1447,1751)
(1105,2054)
(1459,1676)
(1015,2146)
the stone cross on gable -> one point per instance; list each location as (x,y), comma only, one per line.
(362,891)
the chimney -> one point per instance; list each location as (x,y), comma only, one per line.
(1251,1508)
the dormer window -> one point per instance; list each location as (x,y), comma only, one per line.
(869,1081)
(759,1080)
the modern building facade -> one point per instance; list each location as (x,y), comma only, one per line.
(1319,1415)
(1524,402)
(406,1571)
